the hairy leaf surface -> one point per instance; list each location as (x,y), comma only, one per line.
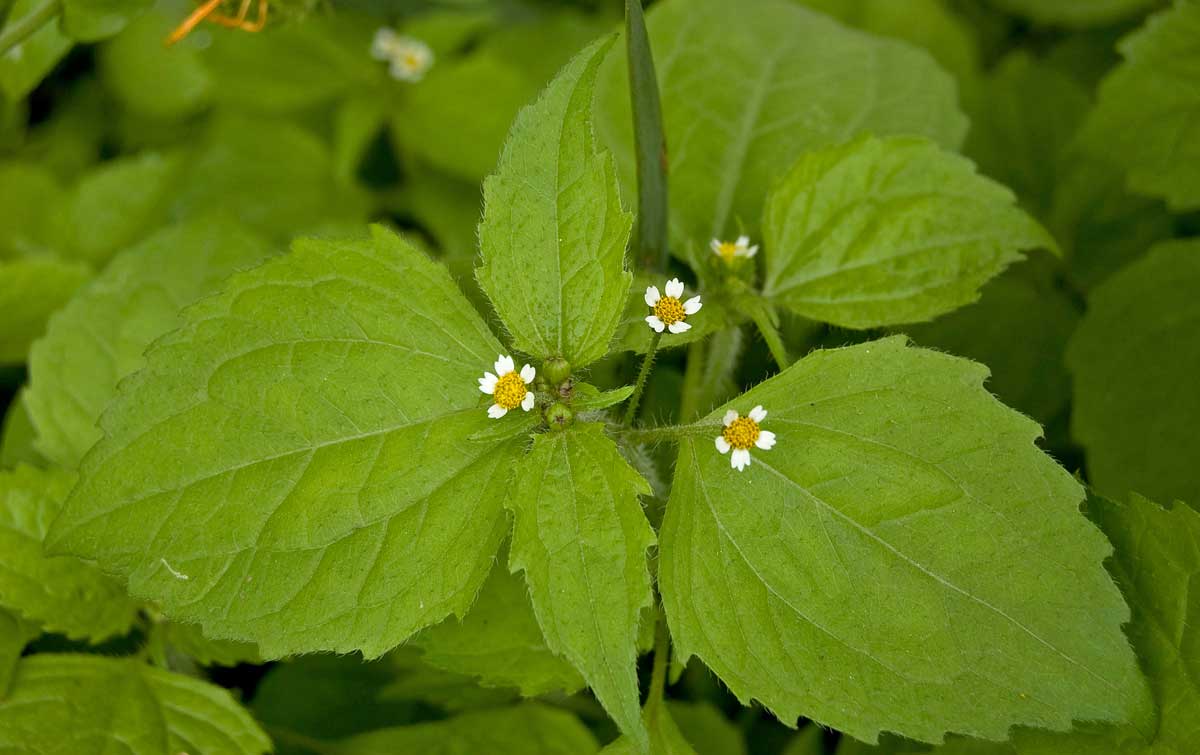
(295,465)
(553,234)
(580,537)
(100,336)
(904,559)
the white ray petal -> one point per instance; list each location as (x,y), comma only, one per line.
(528,401)
(674,288)
(692,306)
(730,416)
(495,411)
(766,440)
(679,327)
(652,296)
(656,323)
(758,414)
(739,459)
(528,373)
(722,444)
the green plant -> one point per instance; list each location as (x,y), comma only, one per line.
(684,378)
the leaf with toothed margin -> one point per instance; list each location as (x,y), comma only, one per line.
(92,704)
(905,559)
(581,537)
(295,465)
(553,234)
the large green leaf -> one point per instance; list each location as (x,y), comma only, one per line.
(580,537)
(296,465)
(61,593)
(100,336)
(553,233)
(28,222)
(87,703)
(17,435)
(885,231)
(15,633)
(32,289)
(91,20)
(1148,114)
(748,87)
(1136,408)
(150,78)
(499,641)
(904,559)
(527,729)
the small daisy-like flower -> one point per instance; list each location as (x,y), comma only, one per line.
(669,312)
(508,387)
(409,57)
(741,433)
(728,250)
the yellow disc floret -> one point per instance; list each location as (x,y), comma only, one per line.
(741,433)
(669,310)
(510,391)
(727,250)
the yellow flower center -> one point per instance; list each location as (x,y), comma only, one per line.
(669,310)
(741,433)
(412,61)
(727,250)
(510,391)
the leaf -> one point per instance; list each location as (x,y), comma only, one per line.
(17,435)
(1075,13)
(580,537)
(329,696)
(786,81)
(31,289)
(1134,413)
(273,175)
(100,336)
(61,593)
(23,66)
(886,231)
(120,202)
(1027,372)
(665,737)
(418,682)
(526,729)
(15,634)
(499,642)
(92,20)
(1023,119)
(28,225)
(905,559)
(553,233)
(706,729)
(293,467)
(151,79)
(1147,117)
(588,398)
(190,640)
(88,703)
(929,24)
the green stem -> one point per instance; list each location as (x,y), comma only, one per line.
(663,433)
(770,333)
(658,674)
(649,142)
(640,386)
(16,31)
(689,402)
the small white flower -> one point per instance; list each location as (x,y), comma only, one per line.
(741,433)
(409,57)
(669,312)
(508,387)
(729,250)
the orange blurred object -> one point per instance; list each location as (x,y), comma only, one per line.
(208,11)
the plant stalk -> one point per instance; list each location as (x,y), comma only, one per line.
(649,143)
(17,31)
(658,674)
(640,386)
(770,333)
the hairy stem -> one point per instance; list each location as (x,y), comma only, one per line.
(689,401)
(658,674)
(640,386)
(770,333)
(18,30)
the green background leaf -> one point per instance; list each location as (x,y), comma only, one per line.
(885,231)
(1136,412)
